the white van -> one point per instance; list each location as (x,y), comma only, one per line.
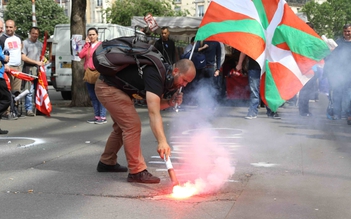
(61,58)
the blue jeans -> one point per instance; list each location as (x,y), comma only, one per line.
(254,83)
(341,100)
(99,109)
(28,100)
(206,90)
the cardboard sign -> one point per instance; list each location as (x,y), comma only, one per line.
(151,22)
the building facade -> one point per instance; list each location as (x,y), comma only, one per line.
(197,8)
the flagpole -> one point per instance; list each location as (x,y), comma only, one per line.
(15,73)
(33,14)
(192,50)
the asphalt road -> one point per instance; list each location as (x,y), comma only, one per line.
(292,168)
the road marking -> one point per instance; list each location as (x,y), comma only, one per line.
(180,146)
(263,164)
(37,141)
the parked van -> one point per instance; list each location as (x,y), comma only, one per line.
(61,57)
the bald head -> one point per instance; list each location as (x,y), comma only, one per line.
(10,27)
(184,72)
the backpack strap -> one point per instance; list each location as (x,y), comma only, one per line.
(157,63)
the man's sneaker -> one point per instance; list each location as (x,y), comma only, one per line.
(274,115)
(100,121)
(143,177)
(30,113)
(21,116)
(92,121)
(335,117)
(306,114)
(101,167)
(251,116)
(3,132)
(10,116)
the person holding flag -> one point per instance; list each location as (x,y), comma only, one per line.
(31,52)
(10,42)
(254,74)
(269,32)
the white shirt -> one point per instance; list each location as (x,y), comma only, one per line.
(14,45)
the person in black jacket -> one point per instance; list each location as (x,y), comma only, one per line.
(166,46)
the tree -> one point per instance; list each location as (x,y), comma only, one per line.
(329,17)
(80,95)
(122,11)
(48,14)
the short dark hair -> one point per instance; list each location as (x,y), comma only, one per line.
(346,26)
(93,28)
(34,28)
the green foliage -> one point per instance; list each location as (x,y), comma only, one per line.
(122,11)
(329,17)
(48,13)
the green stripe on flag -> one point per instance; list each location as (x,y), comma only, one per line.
(261,13)
(246,26)
(272,95)
(301,42)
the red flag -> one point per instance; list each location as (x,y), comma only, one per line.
(42,73)
(42,100)
(42,58)
(8,83)
(44,46)
(22,75)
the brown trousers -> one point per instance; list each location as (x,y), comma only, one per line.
(126,127)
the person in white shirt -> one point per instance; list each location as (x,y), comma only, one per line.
(13,44)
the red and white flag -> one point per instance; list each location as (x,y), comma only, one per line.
(42,100)
(22,76)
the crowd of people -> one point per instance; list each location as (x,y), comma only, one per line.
(330,73)
(23,56)
(202,76)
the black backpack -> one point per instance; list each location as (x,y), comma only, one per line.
(112,56)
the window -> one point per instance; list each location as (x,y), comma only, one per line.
(177,8)
(177,1)
(99,3)
(200,11)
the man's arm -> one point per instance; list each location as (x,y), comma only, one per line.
(218,59)
(26,59)
(239,66)
(31,61)
(156,124)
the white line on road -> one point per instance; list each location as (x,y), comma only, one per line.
(37,141)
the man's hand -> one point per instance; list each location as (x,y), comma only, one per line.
(216,73)
(163,150)
(238,67)
(40,63)
(177,98)
(7,68)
